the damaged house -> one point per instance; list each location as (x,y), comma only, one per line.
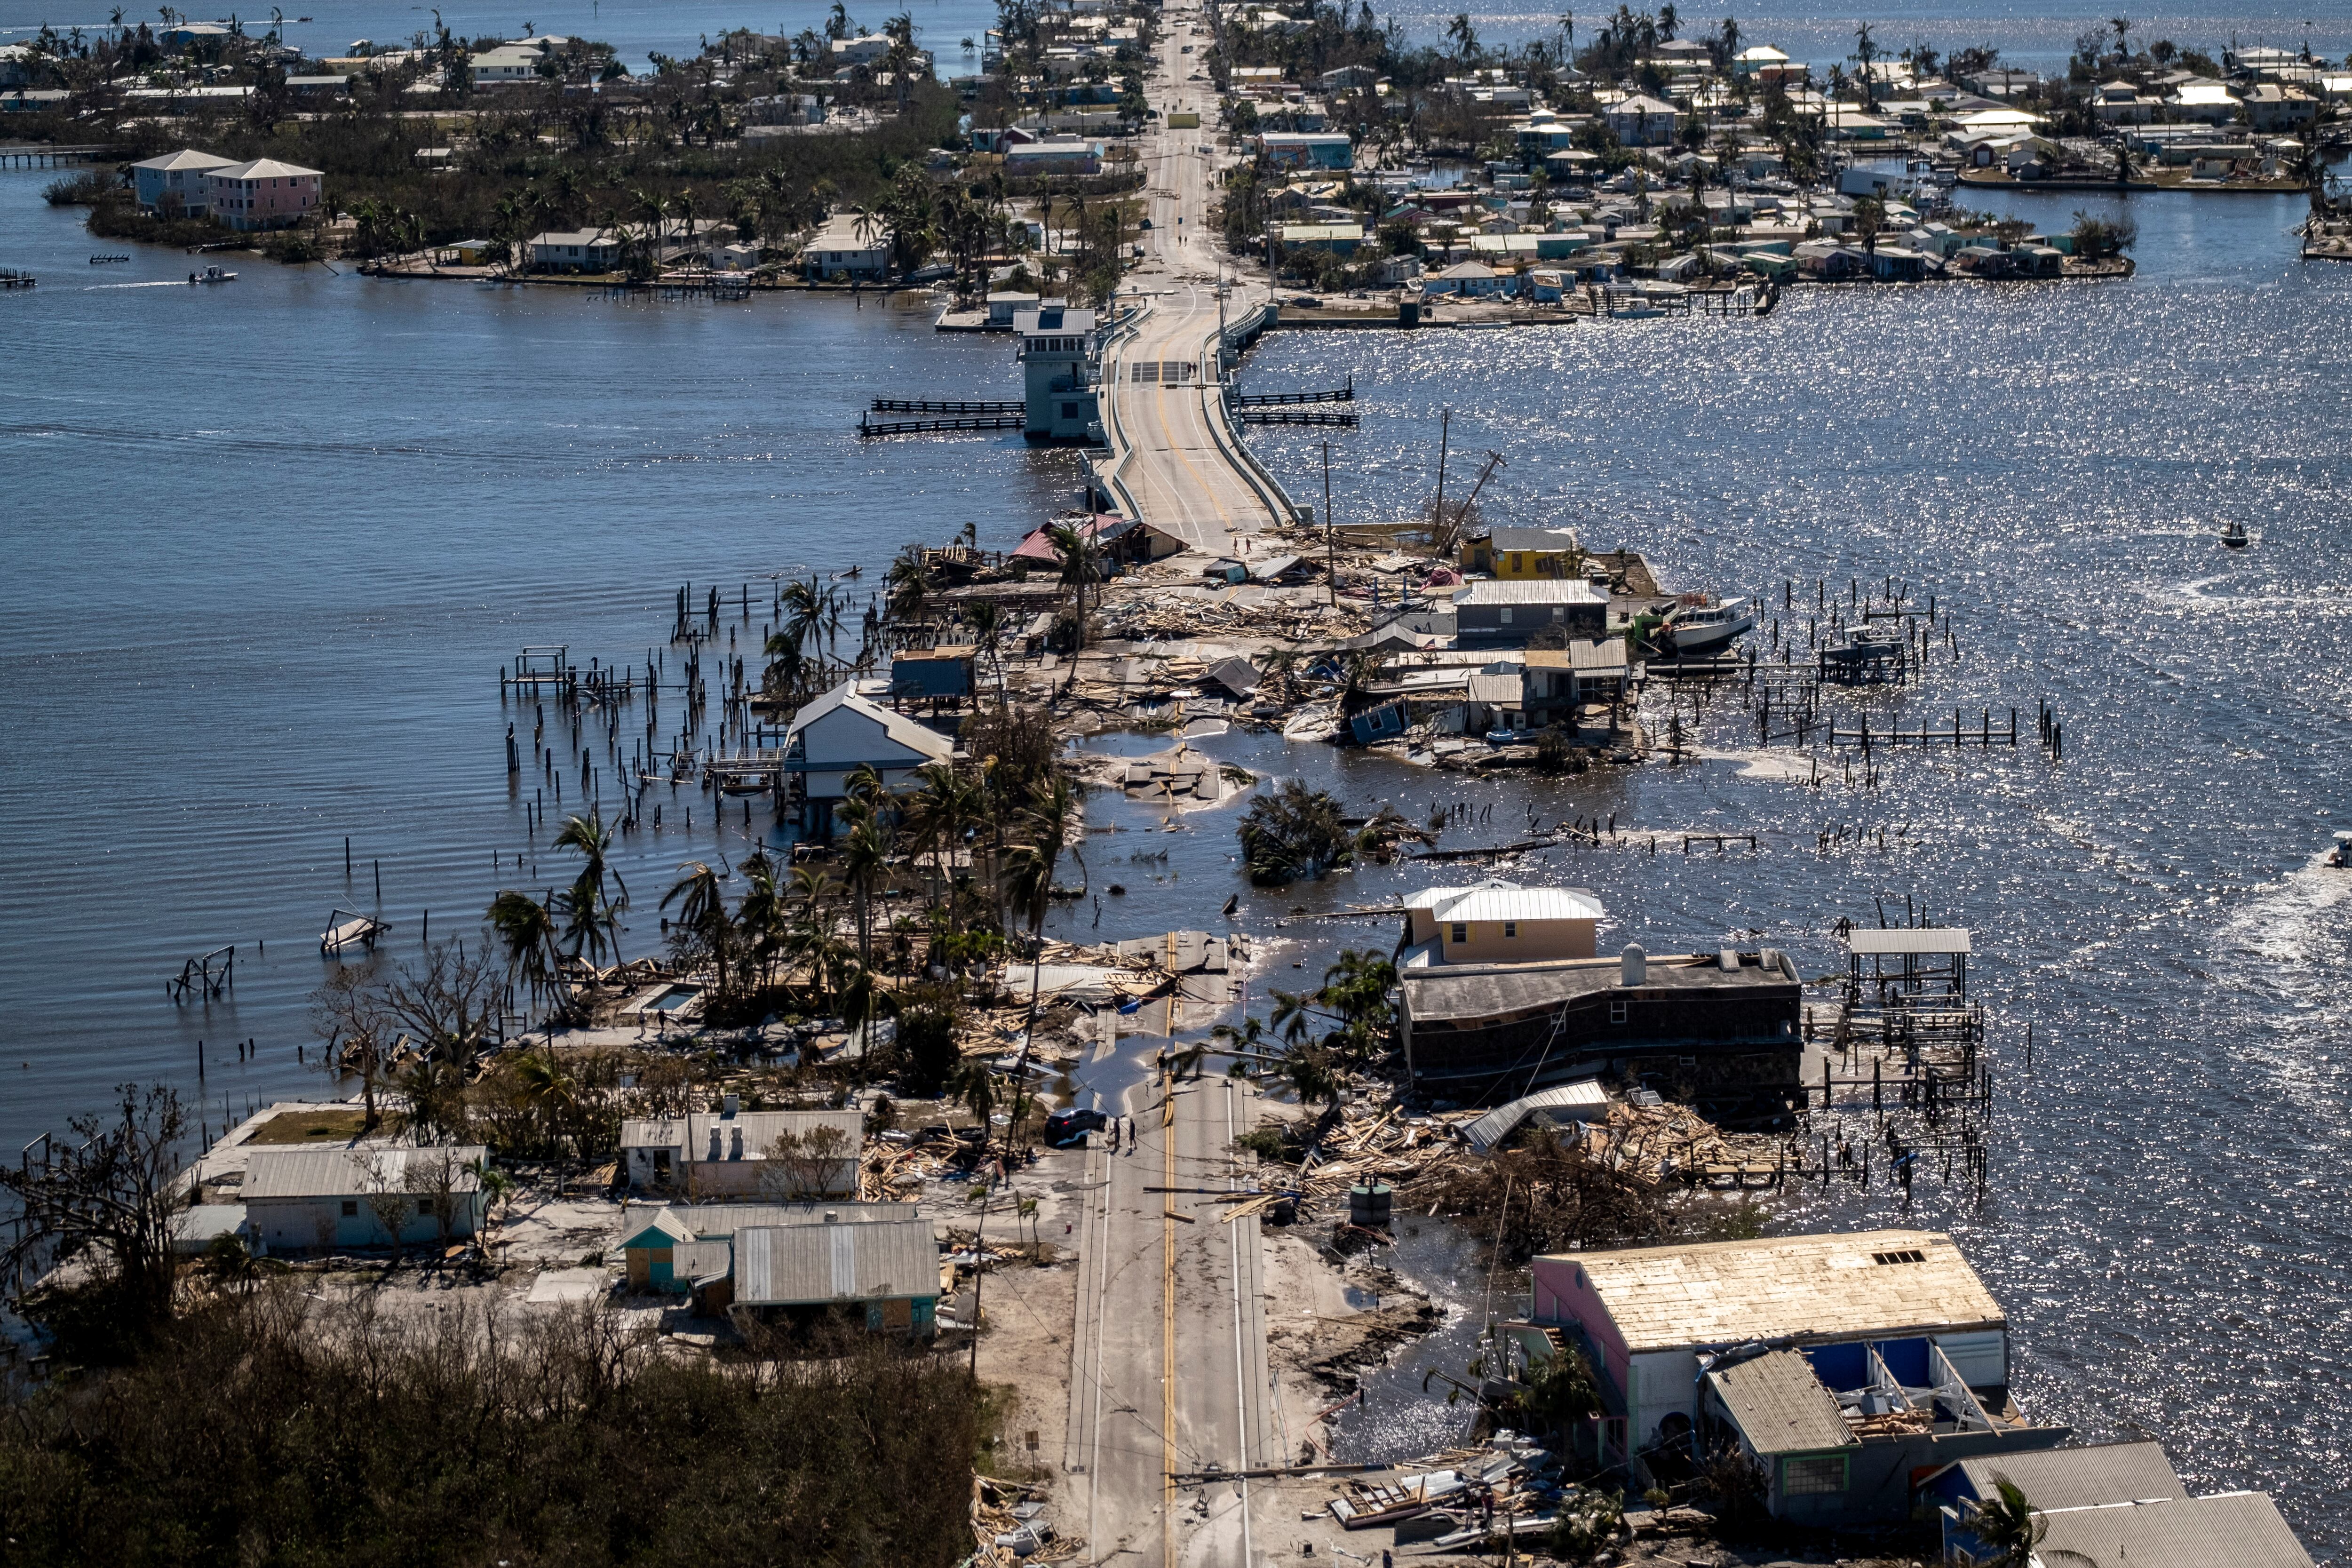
(736,1153)
(1501,988)
(1844,1368)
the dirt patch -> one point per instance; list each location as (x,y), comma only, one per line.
(1030,1313)
(322,1127)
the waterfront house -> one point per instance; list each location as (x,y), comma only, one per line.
(2272,109)
(2243,1530)
(1841,1365)
(1725,1023)
(514,62)
(261,195)
(1495,922)
(830,739)
(865,51)
(1641,121)
(1519,552)
(576,250)
(1560,681)
(303,1200)
(842,251)
(1765,63)
(2055,1480)
(883,1274)
(1471,279)
(933,672)
(733,1153)
(173,185)
(1307,149)
(1510,611)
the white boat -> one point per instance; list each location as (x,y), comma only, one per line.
(1703,624)
(212,275)
(2341,856)
(347,930)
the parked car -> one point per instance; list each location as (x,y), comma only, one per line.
(1065,1127)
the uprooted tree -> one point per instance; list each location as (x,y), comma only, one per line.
(99,1210)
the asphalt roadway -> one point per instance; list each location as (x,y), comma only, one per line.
(1169,1371)
(1171,444)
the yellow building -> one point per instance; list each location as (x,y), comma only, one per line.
(1524,553)
(1496,921)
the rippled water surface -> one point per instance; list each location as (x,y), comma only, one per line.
(268,545)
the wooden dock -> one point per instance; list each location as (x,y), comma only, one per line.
(1983,733)
(869,427)
(1349,420)
(959,407)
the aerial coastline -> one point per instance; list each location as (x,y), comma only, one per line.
(1145,838)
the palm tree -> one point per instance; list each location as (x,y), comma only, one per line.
(864,860)
(1081,564)
(2007,1524)
(987,626)
(591,910)
(761,911)
(528,928)
(943,806)
(701,898)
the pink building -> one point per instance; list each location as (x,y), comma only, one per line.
(263,193)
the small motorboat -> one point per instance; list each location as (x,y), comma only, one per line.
(212,275)
(2234,534)
(1703,624)
(2341,856)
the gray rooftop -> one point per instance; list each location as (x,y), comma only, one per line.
(1781,1407)
(2234,1530)
(1896,940)
(2079,1477)
(1448,991)
(809,1265)
(371,1168)
(1582,1100)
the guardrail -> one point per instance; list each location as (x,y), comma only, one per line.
(1114,479)
(1253,472)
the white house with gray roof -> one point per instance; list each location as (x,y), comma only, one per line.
(303,1200)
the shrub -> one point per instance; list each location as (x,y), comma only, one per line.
(268,1428)
(1295,832)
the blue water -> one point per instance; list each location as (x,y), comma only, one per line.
(268,545)
(2036,37)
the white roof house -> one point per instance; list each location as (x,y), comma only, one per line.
(1496,921)
(179,175)
(576,249)
(840,250)
(833,737)
(737,1154)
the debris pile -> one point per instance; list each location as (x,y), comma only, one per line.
(1464,1497)
(1009,1526)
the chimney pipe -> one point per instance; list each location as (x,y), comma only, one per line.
(1637,965)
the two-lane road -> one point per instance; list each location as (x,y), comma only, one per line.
(1162,383)
(1169,1368)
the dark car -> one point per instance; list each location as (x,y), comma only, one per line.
(1143,223)
(1065,1128)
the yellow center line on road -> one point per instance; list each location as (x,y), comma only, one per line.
(1168,1334)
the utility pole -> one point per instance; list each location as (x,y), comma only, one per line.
(1330,538)
(1445,426)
